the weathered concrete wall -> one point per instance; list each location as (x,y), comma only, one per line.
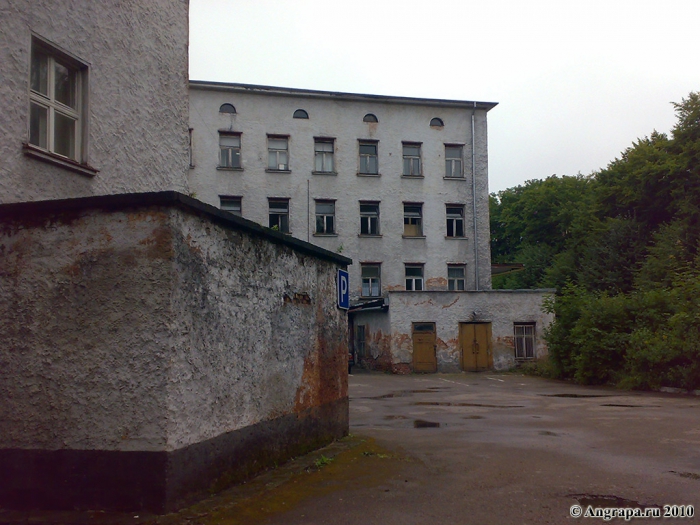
(501,308)
(152,330)
(136,56)
(266,111)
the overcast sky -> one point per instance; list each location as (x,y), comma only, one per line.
(576,82)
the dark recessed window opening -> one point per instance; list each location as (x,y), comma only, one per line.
(370,117)
(437,123)
(300,113)
(227,108)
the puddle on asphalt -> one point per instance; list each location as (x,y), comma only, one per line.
(606,501)
(689,475)
(548,433)
(577,395)
(630,406)
(402,393)
(473,417)
(448,404)
(420,423)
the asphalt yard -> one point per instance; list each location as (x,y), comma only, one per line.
(504,448)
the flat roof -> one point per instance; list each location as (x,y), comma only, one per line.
(337,95)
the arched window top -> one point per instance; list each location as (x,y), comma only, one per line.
(437,123)
(300,113)
(227,108)
(370,117)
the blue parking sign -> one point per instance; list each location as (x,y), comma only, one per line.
(343,284)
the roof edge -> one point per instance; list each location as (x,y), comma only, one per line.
(337,95)
(38,209)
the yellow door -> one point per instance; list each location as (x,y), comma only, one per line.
(475,341)
(424,359)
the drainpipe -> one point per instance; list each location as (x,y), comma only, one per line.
(476,243)
(308,211)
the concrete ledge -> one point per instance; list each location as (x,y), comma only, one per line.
(38,211)
(161,481)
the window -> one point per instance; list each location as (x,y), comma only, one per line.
(277,153)
(369,218)
(279,215)
(323,153)
(56,112)
(455,220)
(230,150)
(370,117)
(371,280)
(412,220)
(227,108)
(414,277)
(436,123)
(360,340)
(368,158)
(453,162)
(231,204)
(455,277)
(411,160)
(300,113)
(325,217)
(524,340)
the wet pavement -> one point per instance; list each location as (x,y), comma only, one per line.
(504,448)
(470,449)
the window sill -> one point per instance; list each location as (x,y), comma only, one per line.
(226,168)
(268,170)
(455,178)
(367,297)
(324,173)
(368,174)
(412,177)
(452,237)
(58,160)
(413,236)
(324,234)
(370,236)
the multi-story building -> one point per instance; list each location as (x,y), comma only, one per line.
(398,184)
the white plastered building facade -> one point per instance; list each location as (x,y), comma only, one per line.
(398,184)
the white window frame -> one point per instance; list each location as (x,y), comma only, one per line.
(524,340)
(277,157)
(366,158)
(414,281)
(278,214)
(413,219)
(231,204)
(412,165)
(369,218)
(454,221)
(325,217)
(324,155)
(42,134)
(371,284)
(454,165)
(230,151)
(456,283)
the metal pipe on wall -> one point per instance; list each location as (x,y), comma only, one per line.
(476,243)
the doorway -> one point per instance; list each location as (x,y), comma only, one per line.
(424,344)
(475,342)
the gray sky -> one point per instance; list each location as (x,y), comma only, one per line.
(576,82)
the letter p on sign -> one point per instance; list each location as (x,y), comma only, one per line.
(343,284)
